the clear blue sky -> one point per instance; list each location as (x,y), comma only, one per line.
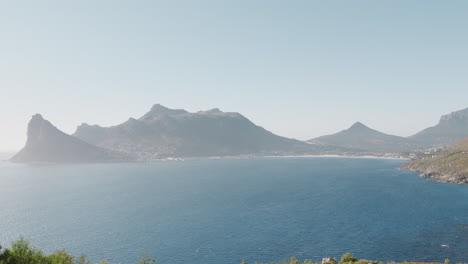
(298,68)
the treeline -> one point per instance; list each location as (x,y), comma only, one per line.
(21,252)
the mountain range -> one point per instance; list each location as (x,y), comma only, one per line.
(165,133)
(161,133)
(450,129)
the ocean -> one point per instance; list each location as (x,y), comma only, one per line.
(226,210)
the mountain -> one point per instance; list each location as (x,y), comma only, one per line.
(450,165)
(450,129)
(361,137)
(164,132)
(46,143)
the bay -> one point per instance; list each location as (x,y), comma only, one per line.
(223,211)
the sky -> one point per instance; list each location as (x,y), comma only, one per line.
(300,69)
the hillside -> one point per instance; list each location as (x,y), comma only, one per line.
(46,143)
(361,137)
(449,166)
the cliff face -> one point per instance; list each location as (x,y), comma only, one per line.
(46,143)
(449,166)
(450,129)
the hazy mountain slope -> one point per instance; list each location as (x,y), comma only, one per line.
(164,132)
(449,166)
(6,155)
(45,143)
(450,129)
(361,137)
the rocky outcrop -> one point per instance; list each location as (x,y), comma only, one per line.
(46,143)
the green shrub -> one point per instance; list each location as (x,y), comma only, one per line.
(348,258)
(61,257)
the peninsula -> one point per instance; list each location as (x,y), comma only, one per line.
(449,165)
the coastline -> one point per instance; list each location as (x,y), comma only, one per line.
(181,159)
(338,156)
(435,175)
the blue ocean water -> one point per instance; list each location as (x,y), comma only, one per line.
(223,211)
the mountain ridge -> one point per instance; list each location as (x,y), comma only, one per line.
(163,132)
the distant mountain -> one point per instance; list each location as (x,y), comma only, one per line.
(46,143)
(164,132)
(365,139)
(450,129)
(450,165)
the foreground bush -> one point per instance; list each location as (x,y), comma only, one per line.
(21,252)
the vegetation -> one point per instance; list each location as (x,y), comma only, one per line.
(21,252)
(448,166)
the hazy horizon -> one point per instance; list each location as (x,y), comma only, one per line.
(300,70)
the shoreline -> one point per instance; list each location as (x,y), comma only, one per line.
(436,176)
(338,156)
(181,159)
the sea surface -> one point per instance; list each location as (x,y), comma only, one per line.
(223,211)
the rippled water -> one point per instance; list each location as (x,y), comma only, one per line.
(222,211)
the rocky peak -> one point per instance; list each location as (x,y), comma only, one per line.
(457,115)
(358,126)
(37,117)
(36,127)
(159,110)
(87,125)
(212,111)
